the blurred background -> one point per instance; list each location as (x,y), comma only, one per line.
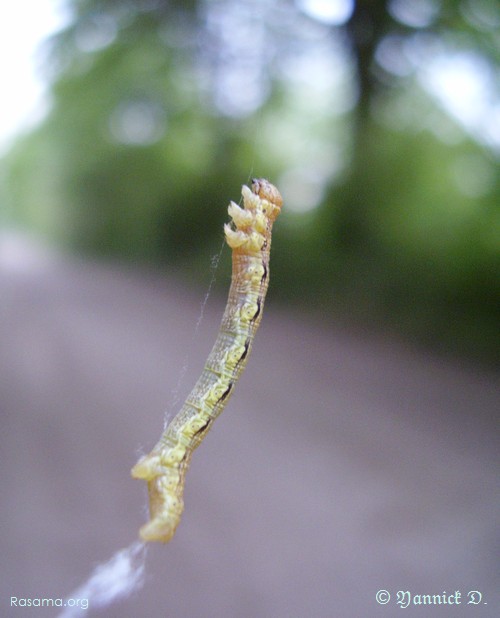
(364,445)
(379,122)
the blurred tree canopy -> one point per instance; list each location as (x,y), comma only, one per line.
(376,119)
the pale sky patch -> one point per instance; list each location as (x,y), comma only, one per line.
(24,24)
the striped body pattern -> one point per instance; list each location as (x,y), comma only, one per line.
(165,467)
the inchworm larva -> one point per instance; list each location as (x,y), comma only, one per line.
(166,465)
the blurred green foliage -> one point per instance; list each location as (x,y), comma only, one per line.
(161,110)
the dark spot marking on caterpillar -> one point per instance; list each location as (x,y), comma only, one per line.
(247,347)
(225,394)
(257,313)
(264,276)
(202,430)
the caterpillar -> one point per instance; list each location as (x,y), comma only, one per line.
(165,467)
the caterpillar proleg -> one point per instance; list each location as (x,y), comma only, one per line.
(165,467)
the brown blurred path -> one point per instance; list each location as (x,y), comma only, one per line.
(344,463)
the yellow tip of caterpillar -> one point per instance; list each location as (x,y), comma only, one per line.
(157,530)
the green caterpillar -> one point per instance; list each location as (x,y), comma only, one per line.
(165,467)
